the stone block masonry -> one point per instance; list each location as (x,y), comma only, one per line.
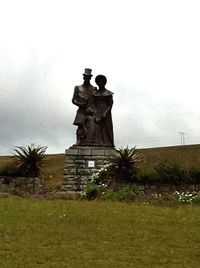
(80,163)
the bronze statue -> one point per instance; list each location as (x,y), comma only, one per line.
(90,128)
(103,102)
(93,116)
(83,99)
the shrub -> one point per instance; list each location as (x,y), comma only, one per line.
(92,190)
(171,174)
(30,160)
(10,170)
(121,168)
(168,173)
(194,175)
(124,162)
(191,198)
(104,175)
(146,176)
(126,194)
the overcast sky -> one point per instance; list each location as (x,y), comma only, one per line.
(148,50)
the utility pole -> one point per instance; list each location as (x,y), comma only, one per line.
(182,137)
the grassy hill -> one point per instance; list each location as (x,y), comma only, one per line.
(186,156)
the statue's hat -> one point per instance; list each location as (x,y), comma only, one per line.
(88,72)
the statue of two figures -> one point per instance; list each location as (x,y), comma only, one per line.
(93,118)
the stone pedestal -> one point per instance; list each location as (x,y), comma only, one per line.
(81,162)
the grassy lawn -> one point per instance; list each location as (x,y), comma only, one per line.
(60,233)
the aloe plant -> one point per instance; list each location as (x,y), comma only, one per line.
(30,160)
(124,161)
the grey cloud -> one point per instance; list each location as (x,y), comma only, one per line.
(32,111)
(146,121)
(29,111)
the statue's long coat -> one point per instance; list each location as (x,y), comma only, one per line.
(83,98)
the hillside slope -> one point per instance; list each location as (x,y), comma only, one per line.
(187,156)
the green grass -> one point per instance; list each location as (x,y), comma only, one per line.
(60,233)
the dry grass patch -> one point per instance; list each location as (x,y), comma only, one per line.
(54,170)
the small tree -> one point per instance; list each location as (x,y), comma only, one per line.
(30,160)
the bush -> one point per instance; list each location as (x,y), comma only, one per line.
(121,168)
(146,176)
(171,174)
(168,173)
(30,160)
(104,175)
(191,198)
(126,194)
(124,164)
(10,170)
(92,190)
(194,175)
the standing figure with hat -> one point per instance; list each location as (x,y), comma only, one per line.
(83,98)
